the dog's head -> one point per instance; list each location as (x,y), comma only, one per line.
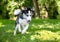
(24,14)
(27,14)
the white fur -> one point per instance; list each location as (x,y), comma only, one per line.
(23,23)
(17,11)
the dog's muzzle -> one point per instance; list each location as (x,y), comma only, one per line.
(28,21)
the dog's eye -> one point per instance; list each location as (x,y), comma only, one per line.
(27,15)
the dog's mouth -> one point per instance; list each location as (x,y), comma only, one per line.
(28,21)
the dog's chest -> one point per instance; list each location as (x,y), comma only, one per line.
(23,21)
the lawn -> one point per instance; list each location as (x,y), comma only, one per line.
(40,30)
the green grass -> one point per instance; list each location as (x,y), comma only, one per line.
(47,30)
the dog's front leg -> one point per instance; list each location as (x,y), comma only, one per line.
(15,29)
(25,28)
(19,28)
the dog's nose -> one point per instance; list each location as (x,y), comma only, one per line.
(28,20)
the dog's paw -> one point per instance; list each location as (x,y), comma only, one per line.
(14,33)
(19,30)
(22,32)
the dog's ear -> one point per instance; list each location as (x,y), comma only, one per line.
(29,8)
(32,9)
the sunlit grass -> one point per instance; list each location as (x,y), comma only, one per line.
(1,25)
(39,31)
(9,31)
(45,35)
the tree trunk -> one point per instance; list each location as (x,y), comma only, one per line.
(37,12)
(47,8)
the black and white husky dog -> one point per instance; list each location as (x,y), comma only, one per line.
(23,20)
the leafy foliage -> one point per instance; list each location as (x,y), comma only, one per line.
(7,6)
(52,7)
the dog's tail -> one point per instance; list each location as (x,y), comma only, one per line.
(17,12)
